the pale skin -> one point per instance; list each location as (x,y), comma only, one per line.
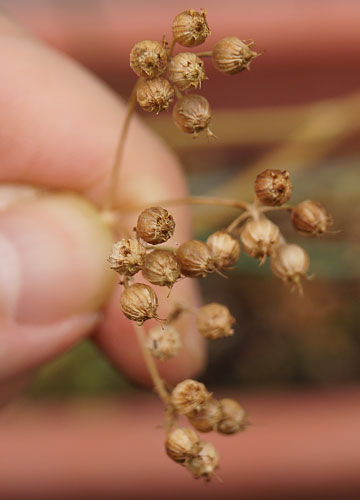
(59,131)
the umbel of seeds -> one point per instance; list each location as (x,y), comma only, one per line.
(192,114)
(155,225)
(190,28)
(148,58)
(231,55)
(154,95)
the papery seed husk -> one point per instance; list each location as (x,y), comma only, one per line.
(225,249)
(273,187)
(155,225)
(139,302)
(181,444)
(161,267)
(214,321)
(231,55)
(195,258)
(192,114)
(164,342)
(190,28)
(233,417)
(127,256)
(186,71)
(148,58)
(155,95)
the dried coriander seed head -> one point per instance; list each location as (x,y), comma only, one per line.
(207,419)
(154,95)
(290,263)
(164,342)
(161,267)
(189,397)
(192,114)
(181,444)
(225,249)
(190,28)
(139,302)
(310,218)
(127,256)
(231,55)
(205,462)
(259,237)
(195,258)
(273,187)
(233,417)
(186,71)
(148,58)
(214,321)
(155,225)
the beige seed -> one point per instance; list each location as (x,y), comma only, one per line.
(259,237)
(310,218)
(273,187)
(127,256)
(181,444)
(148,58)
(233,417)
(164,342)
(161,267)
(189,397)
(155,225)
(186,71)
(190,28)
(231,55)
(195,258)
(155,95)
(214,321)
(205,462)
(139,302)
(225,249)
(192,114)
(207,419)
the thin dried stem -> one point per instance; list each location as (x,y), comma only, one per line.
(193,200)
(171,47)
(236,223)
(158,382)
(110,197)
(288,208)
(204,54)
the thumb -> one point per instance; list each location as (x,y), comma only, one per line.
(50,285)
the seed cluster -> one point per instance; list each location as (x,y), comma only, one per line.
(164,75)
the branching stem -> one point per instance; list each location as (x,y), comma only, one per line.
(110,197)
(158,382)
(194,200)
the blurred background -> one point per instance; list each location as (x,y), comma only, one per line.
(81,429)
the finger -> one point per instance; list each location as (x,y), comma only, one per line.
(66,137)
(52,277)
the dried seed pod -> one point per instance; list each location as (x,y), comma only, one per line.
(148,58)
(214,321)
(290,262)
(155,95)
(127,256)
(233,417)
(164,342)
(225,249)
(259,237)
(139,302)
(195,258)
(311,218)
(205,462)
(161,267)
(155,225)
(273,187)
(192,114)
(207,419)
(189,397)
(186,71)
(190,28)
(231,55)
(181,444)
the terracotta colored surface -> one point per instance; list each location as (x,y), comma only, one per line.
(309,47)
(302,445)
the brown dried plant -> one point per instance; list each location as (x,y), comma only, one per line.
(164,77)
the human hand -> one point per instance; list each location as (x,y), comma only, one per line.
(59,131)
